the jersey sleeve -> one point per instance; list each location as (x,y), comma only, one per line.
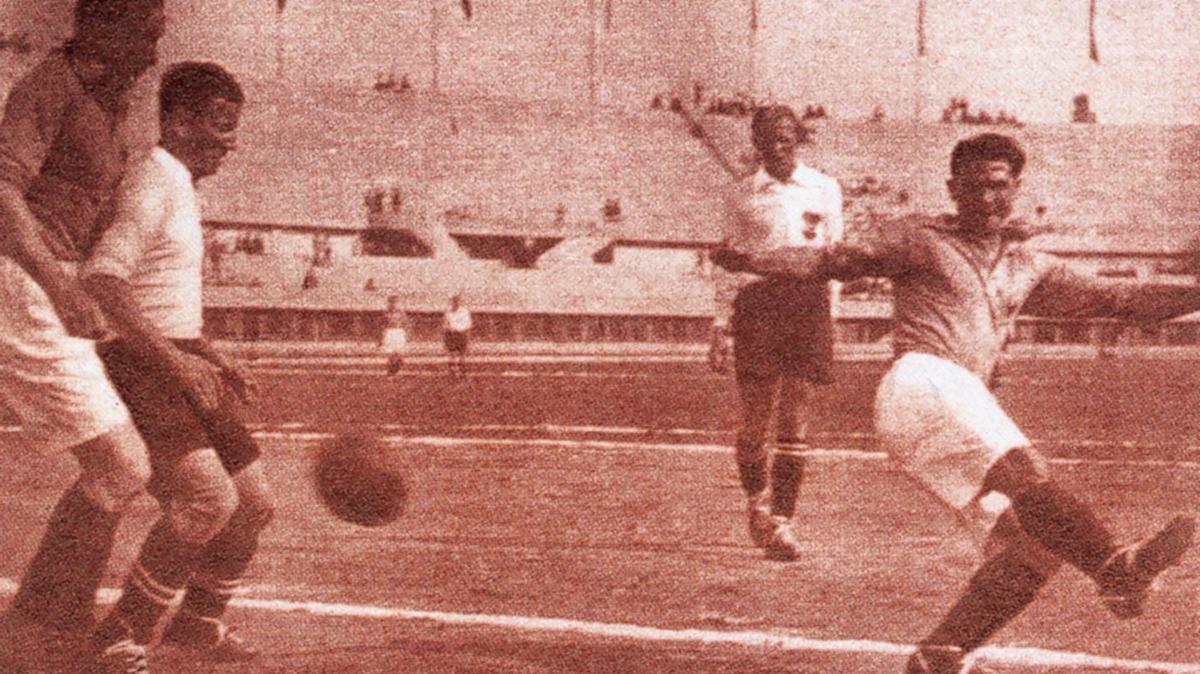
(32,119)
(1065,291)
(142,205)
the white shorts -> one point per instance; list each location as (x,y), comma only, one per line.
(943,427)
(53,382)
(394,340)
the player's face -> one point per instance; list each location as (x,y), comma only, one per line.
(984,193)
(130,49)
(213,135)
(777,148)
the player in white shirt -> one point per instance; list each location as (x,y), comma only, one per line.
(394,338)
(456,326)
(145,272)
(780,331)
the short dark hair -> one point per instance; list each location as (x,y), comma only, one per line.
(987,147)
(192,84)
(767,115)
(93,14)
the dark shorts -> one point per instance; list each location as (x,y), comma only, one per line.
(783,328)
(455,342)
(169,422)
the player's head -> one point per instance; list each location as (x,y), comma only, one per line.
(121,35)
(775,131)
(199,108)
(985,173)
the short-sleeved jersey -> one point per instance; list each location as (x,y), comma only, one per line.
(763,212)
(156,244)
(457,320)
(60,147)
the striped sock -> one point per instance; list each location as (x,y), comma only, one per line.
(219,569)
(752,466)
(154,584)
(787,473)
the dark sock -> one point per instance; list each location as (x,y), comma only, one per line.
(752,467)
(1000,589)
(1066,527)
(787,472)
(218,572)
(157,577)
(59,586)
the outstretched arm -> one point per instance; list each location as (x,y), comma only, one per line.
(1067,292)
(839,261)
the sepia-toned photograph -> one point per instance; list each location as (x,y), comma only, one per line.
(599,336)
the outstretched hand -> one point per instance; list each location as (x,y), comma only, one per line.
(1189,259)
(729,259)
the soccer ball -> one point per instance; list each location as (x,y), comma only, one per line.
(355,482)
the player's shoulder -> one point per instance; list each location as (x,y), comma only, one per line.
(51,79)
(809,175)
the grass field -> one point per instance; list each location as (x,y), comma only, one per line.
(590,520)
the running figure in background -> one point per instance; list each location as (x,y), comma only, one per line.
(960,280)
(145,272)
(60,161)
(456,326)
(779,330)
(394,339)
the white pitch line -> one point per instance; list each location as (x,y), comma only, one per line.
(293,432)
(1035,657)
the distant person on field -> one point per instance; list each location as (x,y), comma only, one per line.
(457,331)
(394,339)
(780,331)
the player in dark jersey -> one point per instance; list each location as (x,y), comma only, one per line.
(60,160)
(959,283)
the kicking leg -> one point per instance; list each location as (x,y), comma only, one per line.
(1070,530)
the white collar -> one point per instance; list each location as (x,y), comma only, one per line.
(171,162)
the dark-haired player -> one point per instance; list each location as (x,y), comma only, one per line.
(781,329)
(145,272)
(61,158)
(960,281)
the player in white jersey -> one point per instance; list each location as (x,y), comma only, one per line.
(781,329)
(145,272)
(959,282)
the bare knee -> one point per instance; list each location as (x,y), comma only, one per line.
(203,496)
(114,468)
(256,500)
(1017,471)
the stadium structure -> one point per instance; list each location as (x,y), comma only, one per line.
(540,173)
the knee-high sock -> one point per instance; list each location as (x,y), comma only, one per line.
(787,472)
(219,569)
(59,586)
(1000,589)
(752,465)
(1066,527)
(158,576)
